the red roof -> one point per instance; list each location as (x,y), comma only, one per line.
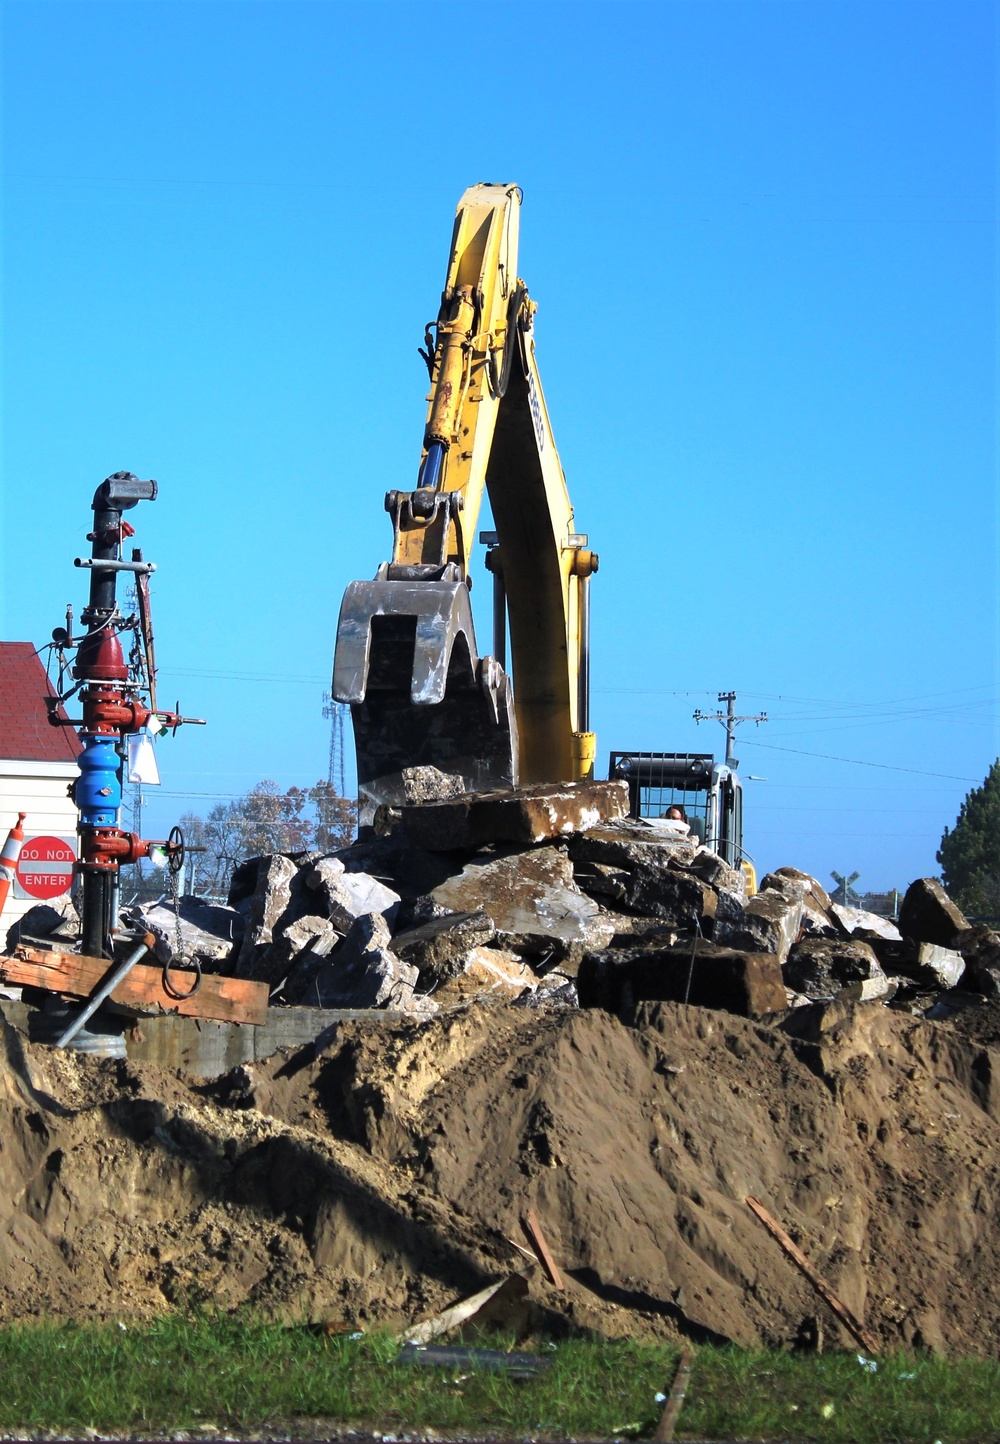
(25,732)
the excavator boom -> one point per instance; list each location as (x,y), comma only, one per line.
(406,657)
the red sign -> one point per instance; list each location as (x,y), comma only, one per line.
(45,867)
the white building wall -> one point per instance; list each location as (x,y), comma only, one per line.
(39,789)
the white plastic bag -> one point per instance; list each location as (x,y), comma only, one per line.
(142,760)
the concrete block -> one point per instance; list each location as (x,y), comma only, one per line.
(748,984)
(770,924)
(928,915)
(524,815)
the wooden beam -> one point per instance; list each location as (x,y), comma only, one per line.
(534,1231)
(229,1000)
(853,1326)
(668,1420)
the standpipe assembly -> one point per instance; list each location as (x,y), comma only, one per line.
(112,709)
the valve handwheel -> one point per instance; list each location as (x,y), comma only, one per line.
(175,850)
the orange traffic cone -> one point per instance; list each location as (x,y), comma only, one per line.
(9,856)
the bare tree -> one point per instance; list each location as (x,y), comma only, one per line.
(265,820)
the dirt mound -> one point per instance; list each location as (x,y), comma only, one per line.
(383,1178)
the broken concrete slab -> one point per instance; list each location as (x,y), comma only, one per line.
(428,784)
(980,948)
(716,872)
(601,880)
(532,900)
(271,896)
(928,915)
(525,815)
(438,949)
(364,972)
(393,860)
(790,887)
(486,975)
(816,923)
(874,989)
(938,967)
(818,893)
(980,943)
(820,967)
(298,945)
(208,931)
(631,842)
(636,865)
(770,924)
(851,921)
(297,955)
(559,995)
(748,984)
(349,895)
(984,980)
(57,919)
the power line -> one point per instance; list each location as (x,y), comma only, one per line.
(858,762)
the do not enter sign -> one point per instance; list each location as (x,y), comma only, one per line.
(45,867)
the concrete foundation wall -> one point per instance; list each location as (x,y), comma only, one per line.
(206,1049)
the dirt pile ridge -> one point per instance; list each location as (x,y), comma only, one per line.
(379,1180)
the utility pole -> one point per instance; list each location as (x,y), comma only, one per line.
(730,721)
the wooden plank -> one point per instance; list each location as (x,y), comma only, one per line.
(231,1000)
(534,1231)
(668,1420)
(456,1314)
(853,1326)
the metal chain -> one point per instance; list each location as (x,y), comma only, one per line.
(175,898)
(179,954)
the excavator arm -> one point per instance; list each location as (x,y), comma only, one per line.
(406,657)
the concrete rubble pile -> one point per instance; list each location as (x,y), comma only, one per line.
(553,896)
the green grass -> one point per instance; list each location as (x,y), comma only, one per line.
(240,1374)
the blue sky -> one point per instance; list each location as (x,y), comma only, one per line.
(763,240)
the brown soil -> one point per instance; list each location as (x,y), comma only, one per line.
(384,1178)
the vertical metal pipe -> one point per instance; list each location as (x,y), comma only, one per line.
(499,613)
(583,676)
(94,913)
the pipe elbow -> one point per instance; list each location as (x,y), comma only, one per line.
(122,490)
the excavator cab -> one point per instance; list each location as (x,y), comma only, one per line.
(710,793)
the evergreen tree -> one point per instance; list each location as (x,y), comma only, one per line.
(970,851)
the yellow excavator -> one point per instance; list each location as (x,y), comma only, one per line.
(406,657)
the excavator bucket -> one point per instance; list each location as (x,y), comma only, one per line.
(420,695)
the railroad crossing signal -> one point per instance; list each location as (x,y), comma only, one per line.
(844,885)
